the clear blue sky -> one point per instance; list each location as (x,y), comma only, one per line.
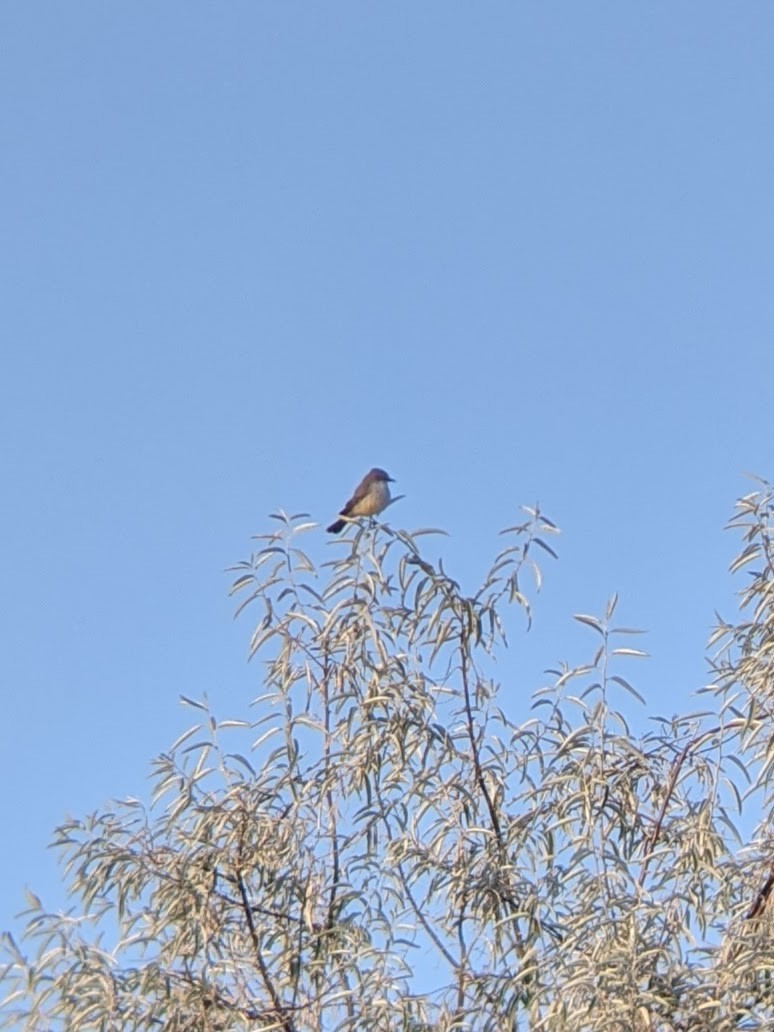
(509,251)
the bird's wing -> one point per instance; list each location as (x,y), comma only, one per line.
(360,492)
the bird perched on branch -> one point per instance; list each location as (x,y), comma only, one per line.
(372,496)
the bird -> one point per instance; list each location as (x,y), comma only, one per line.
(371,496)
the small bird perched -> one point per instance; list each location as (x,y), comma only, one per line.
(372,496)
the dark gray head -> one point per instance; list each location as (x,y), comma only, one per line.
(378,474)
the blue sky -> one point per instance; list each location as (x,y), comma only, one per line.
(511,252)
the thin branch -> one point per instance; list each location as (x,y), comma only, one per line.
(694,743)
(277,1004)
(761,900)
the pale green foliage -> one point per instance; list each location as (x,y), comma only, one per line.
(388,840)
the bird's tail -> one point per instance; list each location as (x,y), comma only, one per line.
(337,526)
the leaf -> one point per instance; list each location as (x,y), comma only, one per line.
(518,528)
(192,702)
(590,621)
(246,602)
(33,900)
(547,548)
(595,687)
(269,551)
(262,738)
(241,582)
(624,651)
(185,736)
(625,685)
(304,720)
(749,554)
(578,737)
(310,591)
(738,763)
(243,760)
(204,744)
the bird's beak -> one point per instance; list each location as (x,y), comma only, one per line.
(391,479)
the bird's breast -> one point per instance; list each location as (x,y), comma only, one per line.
(377,498)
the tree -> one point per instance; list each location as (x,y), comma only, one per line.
(381,845)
